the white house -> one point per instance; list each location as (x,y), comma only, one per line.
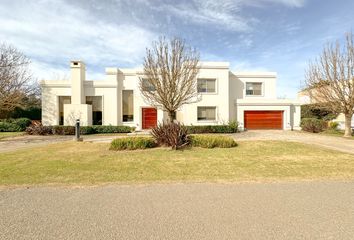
(246,97)
(305,97)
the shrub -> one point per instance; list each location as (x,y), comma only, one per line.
(22,123)
(316,111)
(112,129)
(172,135)
(212,141)
(232,127)
(132,143)
(63,130)
(39,129)
(84,130)
(333,125)
(33,113)
(14,125)
(9,127)
(313,125)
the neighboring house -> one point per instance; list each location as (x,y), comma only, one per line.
(248,98)
(306,97)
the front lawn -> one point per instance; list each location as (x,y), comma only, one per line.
(10,134)
(93,163)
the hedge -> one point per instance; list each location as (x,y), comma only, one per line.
(70,130)
(232,127)
(212,141)
(14,125)
(316,111)
(132,143)
(313,125)
(33,113)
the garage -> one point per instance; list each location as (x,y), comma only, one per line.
(263,119)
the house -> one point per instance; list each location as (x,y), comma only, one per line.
(306,96)
(246,97)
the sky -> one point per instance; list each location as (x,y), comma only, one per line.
(253,35)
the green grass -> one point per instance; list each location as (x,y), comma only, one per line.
(9,134)
(92,163)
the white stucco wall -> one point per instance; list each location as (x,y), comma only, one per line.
(229,99)
(51,90)
(220,99)
(72,112)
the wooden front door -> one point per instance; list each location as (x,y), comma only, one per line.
(263,119)
(149,118)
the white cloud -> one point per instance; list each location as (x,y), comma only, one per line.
(225,14)
(222,13)
(287,3)
(53,32)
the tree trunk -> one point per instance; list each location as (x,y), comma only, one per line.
(348,125)
(172,116)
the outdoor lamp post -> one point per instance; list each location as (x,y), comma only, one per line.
(77,130)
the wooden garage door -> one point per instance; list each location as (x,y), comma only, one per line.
(149,118)
(263,119)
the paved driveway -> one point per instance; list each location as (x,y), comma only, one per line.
(332,142)
(302,210)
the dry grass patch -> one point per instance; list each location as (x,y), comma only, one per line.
(93,163)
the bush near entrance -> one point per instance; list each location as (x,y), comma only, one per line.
(14,125)
(313,125)
(70,130)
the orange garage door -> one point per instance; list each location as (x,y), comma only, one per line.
(263,119)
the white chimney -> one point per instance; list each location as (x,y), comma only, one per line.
(78,71)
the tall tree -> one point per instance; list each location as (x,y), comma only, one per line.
(170,70)
(15,78)
(330,79)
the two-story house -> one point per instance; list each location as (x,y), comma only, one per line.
(246,97)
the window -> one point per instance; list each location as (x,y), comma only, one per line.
(206,85)
(63,100)
(128,106)
(206,113)
(253,89)
(147,86)
(96,103)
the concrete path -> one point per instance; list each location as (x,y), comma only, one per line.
(332,142)
(27,141)
(301,210)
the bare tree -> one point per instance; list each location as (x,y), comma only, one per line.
(170,70)
(14,78)
(330,79)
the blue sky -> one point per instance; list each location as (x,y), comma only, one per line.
(253,35)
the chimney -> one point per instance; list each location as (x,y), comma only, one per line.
(77,82)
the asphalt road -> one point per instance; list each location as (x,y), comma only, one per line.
(301,210)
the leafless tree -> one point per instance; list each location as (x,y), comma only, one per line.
(330,79)
(14,78)
(170,70)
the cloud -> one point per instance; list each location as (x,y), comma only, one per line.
(53,32)
(227,15)
(286,3)
(116,33)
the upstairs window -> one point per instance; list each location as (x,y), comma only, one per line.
(206,85)
(254,89)
(206,113)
